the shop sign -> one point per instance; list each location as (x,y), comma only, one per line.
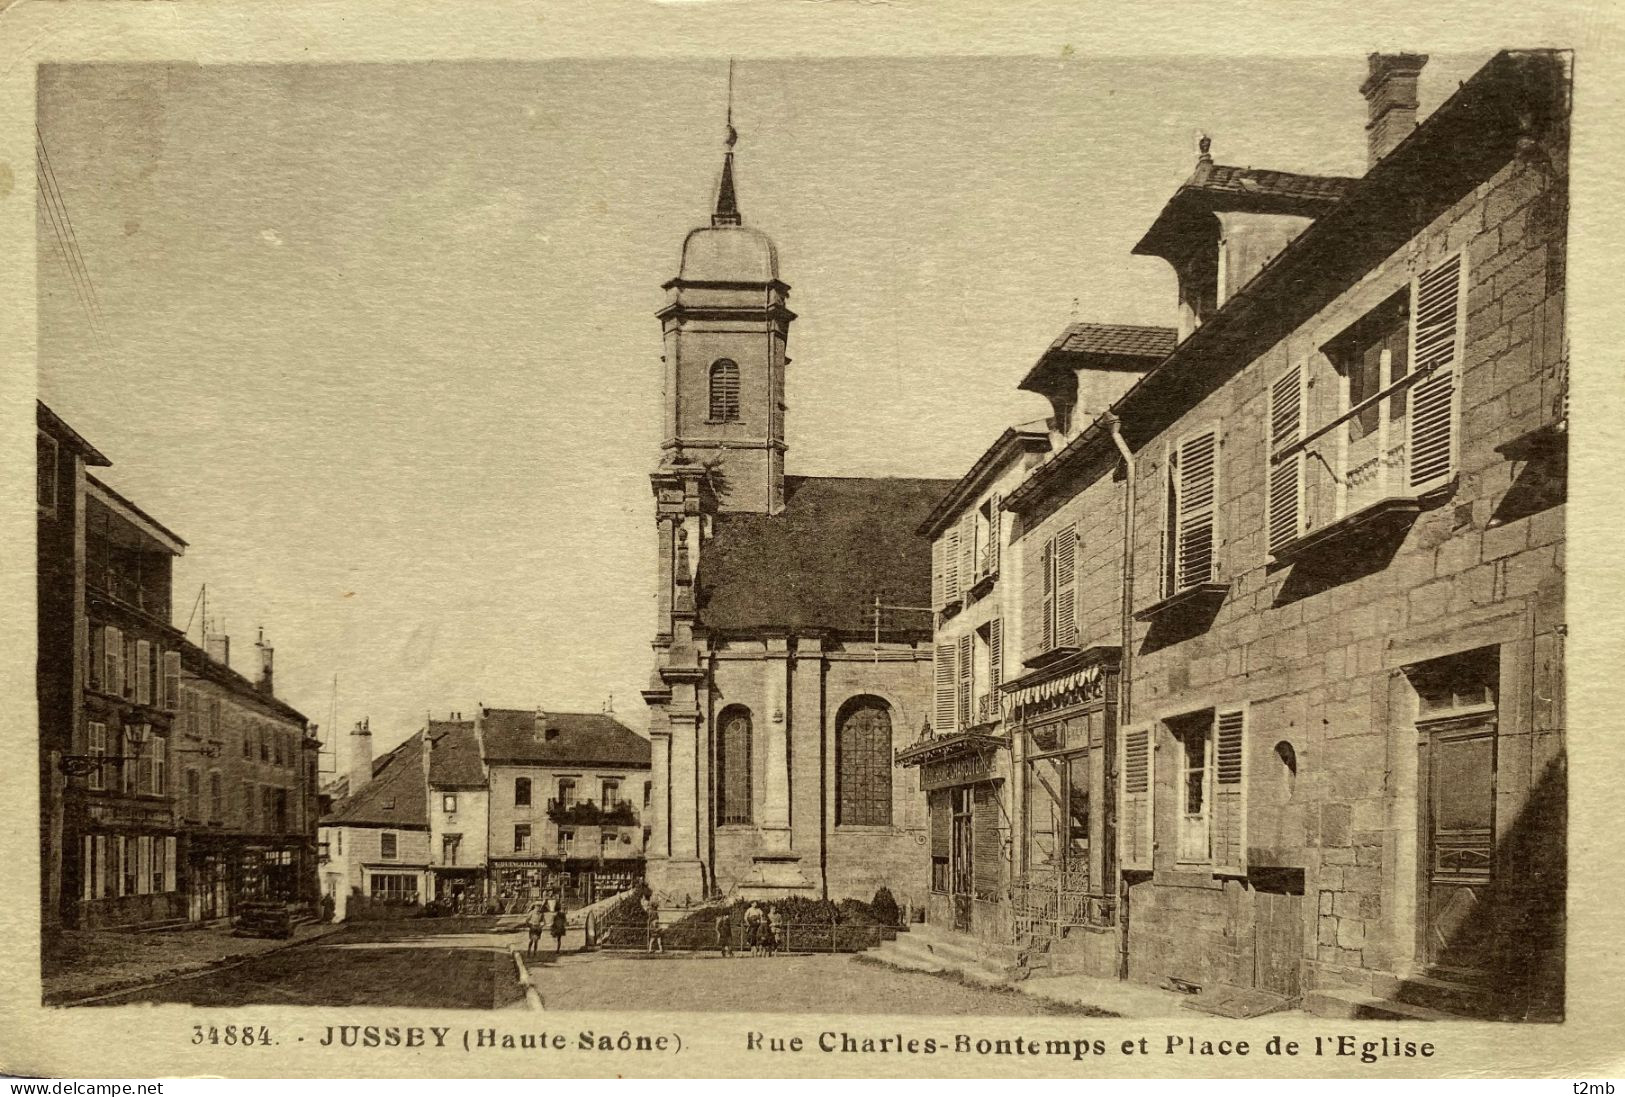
(961,769)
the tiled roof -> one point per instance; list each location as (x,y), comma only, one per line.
(454,756)
(574,738)
(1127,340)
(196,660)
(816,566)
(1223,187)
(1224,179)
(395,797)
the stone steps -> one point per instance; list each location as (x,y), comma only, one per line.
(1446,995)
(1348,1004)
(925,949)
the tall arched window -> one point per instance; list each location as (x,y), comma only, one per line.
(733,765)
(863,761)
(724,391)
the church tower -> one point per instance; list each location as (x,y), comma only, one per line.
(725,326)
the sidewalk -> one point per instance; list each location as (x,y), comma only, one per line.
(86,963)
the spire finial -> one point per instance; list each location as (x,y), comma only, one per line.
(1204,148)
(727,211)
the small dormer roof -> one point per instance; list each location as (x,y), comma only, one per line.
(1128,348)
(1214,188)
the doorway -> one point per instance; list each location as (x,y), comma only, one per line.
(1459,838)
(962,868)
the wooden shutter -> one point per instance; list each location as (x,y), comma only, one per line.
(1230,791)
(1436,337)
(967,652)
(1196,481)
(1066,584)
(986,851)
(995,656)
(968,570)
(113,681)
(938,552)
(995,531)
(172,680)
(1286,475)
(96,658)
(947,680)
(169,862)
(1136,837)
(1047,566)
(941,821)
(950,565)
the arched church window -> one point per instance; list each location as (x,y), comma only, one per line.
(733,765)
(724,391)
(863,763)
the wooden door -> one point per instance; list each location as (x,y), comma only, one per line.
(962,866)
(1460,845)
(1278,943)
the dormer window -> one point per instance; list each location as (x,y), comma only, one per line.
(725,391)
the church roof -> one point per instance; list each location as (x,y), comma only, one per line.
(395,797)
(819,564)
(729,253)
(568,738)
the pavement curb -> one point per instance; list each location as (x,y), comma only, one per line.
(533,997)
(176,975)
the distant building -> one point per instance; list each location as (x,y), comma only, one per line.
(458,810)
(375,840)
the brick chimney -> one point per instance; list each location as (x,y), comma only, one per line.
(1390,95)
(266,651)
(360,755)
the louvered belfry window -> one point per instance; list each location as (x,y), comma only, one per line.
(724,391)
(733,766)
(863,757)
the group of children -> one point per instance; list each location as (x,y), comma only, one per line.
(764,930)
(549,914)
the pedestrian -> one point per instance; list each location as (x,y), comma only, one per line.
(559,927)
(754,925)
(725,933)
(775,926)
(655,943)
(533,926)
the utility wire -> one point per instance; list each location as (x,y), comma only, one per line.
(73,237)
(56,212)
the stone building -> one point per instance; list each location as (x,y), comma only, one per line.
(778,694)
(374,840)
(458,810)
(1340,765)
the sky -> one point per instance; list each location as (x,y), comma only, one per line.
(378,341)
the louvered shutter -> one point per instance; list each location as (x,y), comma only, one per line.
(947,680)
(950,566)
(968,571)
(169,863)
(966,652)
(1066,583)
(114,680)
(1230,791)
(1047,566)
(1286,474)
(1136,838)
(995,656)
(172,680)
(985,846)
(1436,338)
(995,531)
(937,577)
(941,821)
(1196,483)
(97,670)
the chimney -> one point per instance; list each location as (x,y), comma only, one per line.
(218,647)
(266,651)
(1390,95)
(360,755)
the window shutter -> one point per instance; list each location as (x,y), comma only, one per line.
(1135,829)
(1436,337)
(98,658)
(967,550)
(985,846)
(938,553)
(1230,791)
(1046,564)
(950,565)
(143,865)
(172,680)
(941,821)
(947,683)
(995,655)
(114,644)
(966,652)
(995,531)
(169,863)
(1195,485)
(1066,579)
(1286,475)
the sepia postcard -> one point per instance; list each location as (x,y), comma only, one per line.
(785,539)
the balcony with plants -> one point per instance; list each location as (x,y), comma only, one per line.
(592,813)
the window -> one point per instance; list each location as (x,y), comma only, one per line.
(449,846)
(217,798)
(733,766)
(172,680)
(521,792)
(521,837)
(155,759)
(1189,538)
(45,471)
(93,656)
(989,532)
(987,671)
(130,863)
(265,747)
(863,760)
(194,795)
(113,647)
(248,732)
(250,817)
(567,792)
(448,803)
(611,793)
(189,713)
(724,391)
(1058,612)
(1191,735)
(1387,427)
(396,887)
(156,871)
(388,847)
(648,793)
(276,746)
(143,672)
(338,841)
(268,818)
(96,747)
(939,811)
(1211,789)
(566,840)
(606,839)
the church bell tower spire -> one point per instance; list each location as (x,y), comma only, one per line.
(727,212)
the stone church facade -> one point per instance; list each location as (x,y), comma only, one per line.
(780,692)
